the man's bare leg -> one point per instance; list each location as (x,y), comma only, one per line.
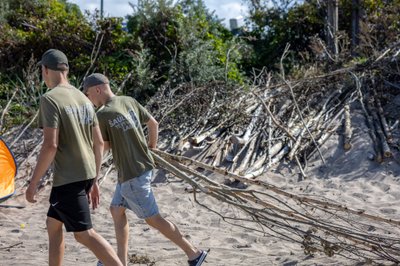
(171,231)
(56,241)
(121,227)
(99,246)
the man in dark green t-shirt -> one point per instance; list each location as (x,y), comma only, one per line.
(120,120)
(72,140)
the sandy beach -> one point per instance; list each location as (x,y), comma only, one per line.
(349,178)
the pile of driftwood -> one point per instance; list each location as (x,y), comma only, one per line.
(240,133)
(246,130)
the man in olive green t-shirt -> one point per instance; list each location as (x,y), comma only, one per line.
(72,139)
(120,120)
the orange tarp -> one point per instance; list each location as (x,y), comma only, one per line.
(8,171)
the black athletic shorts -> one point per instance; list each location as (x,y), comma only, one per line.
(69,204)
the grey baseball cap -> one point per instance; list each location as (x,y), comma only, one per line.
(94,80)
(55,60)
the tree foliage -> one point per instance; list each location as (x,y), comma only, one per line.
(168,42)
(33,26)
(380,25)
(275,23)
(285,21)
(188,43)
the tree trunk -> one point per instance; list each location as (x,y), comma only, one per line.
(332,27)
(355,25)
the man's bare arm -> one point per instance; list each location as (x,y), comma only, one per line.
(107,146)
(152,126)
(46,157)
(98,149)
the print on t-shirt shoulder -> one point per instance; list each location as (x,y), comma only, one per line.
(125,121)
(84,113)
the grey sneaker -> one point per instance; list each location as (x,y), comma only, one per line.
(99,263)
(200,259)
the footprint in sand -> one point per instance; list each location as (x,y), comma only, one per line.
(361,196)
(388,210)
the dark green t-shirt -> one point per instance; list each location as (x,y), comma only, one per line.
(68,109)
(120,122)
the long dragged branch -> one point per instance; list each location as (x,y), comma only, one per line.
(273,188)
(282,211)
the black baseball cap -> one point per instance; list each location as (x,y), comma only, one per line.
(55,60)
(94,80)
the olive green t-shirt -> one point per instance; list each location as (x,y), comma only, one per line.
(120,121)
(68,109)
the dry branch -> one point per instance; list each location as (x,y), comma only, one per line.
(347,127)
(301,217)
(4,111)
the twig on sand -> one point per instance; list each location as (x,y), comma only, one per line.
(12,246)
